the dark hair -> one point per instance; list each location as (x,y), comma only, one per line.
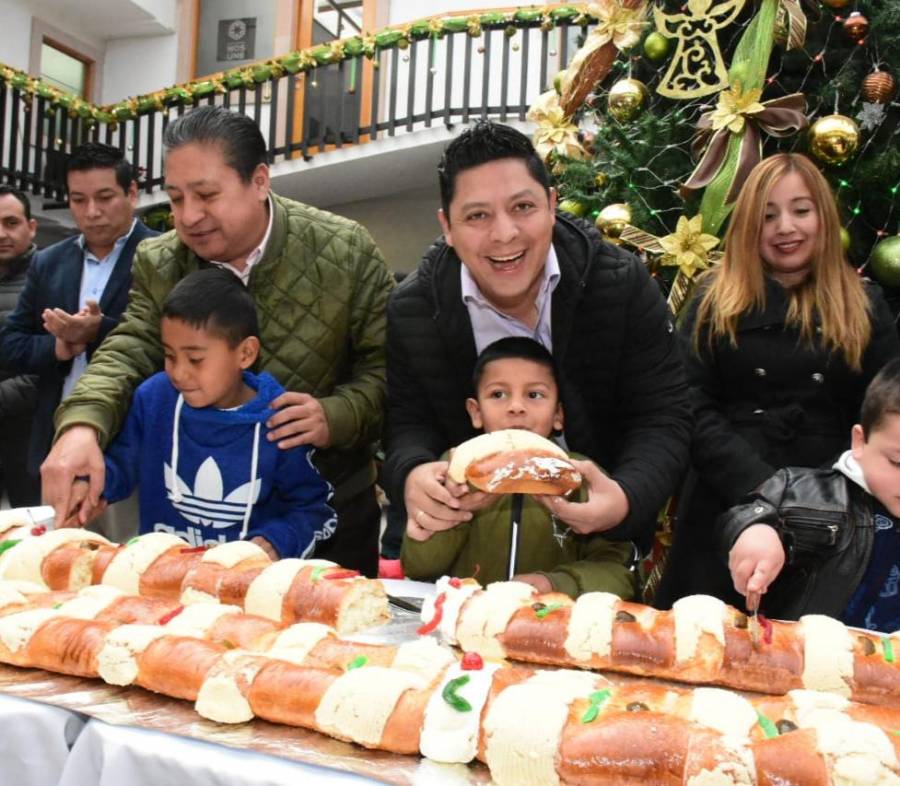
(882,397)
(482,143)
(96,155)
(512,347)
(238,137)
(12,191)
(215,300)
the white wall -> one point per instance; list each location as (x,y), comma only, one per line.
(410,10)
(15,43)
(135,66)
(165,11)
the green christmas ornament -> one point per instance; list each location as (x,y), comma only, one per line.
(885,261)
(573,206)
(845,239)
(656,47)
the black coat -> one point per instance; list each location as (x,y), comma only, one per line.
(620,376)
(770,402)
(825,523)
(17,391)
(54,281)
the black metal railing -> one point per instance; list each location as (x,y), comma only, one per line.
(434,81)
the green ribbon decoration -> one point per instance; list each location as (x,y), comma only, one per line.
(751,57)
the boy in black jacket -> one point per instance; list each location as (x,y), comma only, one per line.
(827,541)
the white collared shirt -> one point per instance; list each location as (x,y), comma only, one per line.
(489,324)
(254,256)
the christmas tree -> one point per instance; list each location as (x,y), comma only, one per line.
(664,108)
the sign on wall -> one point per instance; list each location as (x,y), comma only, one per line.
(237,39)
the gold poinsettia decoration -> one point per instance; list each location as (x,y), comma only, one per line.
(734,106)
(556,133)
(616,23)
(688,247)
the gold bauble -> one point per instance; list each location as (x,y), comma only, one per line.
(845,239)
(656,47)
(600,179)
(834,139)
(573,206)
(879,87)
(626,99)
(613,219)
(885,261)
(856,26)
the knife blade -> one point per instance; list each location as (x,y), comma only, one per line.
(408,604)
(752,618)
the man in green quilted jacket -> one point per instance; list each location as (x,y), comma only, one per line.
(320,287)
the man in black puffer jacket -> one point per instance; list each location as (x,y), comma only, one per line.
(509,265)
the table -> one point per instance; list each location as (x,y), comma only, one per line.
(56,729)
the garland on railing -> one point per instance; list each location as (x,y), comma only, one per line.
(299,61)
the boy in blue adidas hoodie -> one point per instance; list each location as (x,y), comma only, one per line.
(194,441)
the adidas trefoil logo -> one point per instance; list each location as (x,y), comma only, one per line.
(206,503)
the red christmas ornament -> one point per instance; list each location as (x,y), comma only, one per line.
(856,26)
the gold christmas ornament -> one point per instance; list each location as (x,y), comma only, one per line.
(834,139)
(656,47)
(613,219)
(627,98)
(856,26)
(573,206)
(879,87)
(697,68)
(845,239)
(885,261)
(600,179)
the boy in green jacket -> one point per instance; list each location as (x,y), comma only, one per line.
(515,385)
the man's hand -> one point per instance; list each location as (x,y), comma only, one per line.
(80,490)
(606,506)
(756,559)
(66,351)
(300,420)
(430,507)
(80,328)
(76,454)
(540,582)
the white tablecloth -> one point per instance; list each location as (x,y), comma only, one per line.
(108,755)
(35,740)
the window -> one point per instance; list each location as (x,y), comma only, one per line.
(63,70)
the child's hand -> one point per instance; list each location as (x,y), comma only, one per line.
(266,547)
(756,559)
(540,582)
(605,507)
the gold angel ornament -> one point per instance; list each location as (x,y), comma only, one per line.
(697,68)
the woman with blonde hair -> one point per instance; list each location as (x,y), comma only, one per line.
(780,341)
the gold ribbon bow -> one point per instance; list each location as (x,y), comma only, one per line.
(742,113)
(555,132)
(687,247)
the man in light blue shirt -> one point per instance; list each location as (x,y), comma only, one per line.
(76,289)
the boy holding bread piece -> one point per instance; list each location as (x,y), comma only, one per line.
(516,466)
